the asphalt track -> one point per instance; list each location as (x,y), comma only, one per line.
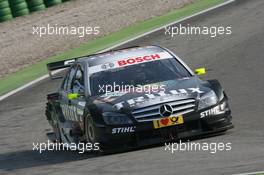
(236,60)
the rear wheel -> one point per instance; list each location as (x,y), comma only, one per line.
(57,132)
(52,117)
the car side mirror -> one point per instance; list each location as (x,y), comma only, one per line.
(200,71)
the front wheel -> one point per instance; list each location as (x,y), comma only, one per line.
(91,134)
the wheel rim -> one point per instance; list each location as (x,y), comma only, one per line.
(91,132)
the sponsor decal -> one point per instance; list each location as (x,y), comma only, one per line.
(108,95)
(128,129)
(72,113)
(82,103)
(129,61)
(168,121)
(138,100)
(214,111)
(138,59)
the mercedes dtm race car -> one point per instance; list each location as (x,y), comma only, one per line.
(134,97)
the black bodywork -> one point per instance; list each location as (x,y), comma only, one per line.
(68,116)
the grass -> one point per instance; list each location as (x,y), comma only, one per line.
(32,72)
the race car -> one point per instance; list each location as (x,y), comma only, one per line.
(134,97)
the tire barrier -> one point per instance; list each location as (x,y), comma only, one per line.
(19,7)
(50,3)
(15,8)
(36,5)
(5,11)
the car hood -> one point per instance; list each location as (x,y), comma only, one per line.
(173,90)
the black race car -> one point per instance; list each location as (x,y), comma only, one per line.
(133,97)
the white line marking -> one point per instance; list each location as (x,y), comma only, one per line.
(23,87)
(251,173)
(119,44)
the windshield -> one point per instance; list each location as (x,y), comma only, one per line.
(139,74)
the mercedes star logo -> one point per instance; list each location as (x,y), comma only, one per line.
(166,110)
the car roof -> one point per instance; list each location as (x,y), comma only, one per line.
(102,58)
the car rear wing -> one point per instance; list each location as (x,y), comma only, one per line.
(54,67)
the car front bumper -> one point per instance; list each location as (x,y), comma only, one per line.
(144,133)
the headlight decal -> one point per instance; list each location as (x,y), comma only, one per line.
(112,118)
(207,100)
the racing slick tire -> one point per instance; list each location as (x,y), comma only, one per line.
(92,136)
(51,117)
